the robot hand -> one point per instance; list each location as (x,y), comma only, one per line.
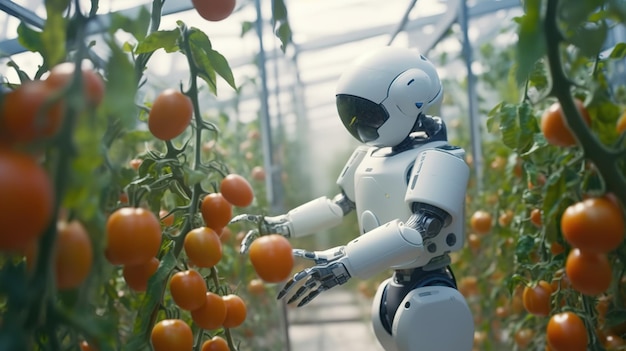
(329,271)
(266,225)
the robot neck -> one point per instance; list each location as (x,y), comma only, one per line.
(426,129)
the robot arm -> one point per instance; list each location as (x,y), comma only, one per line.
(436,193)
(313,216)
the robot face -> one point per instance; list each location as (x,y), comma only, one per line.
(380,98)
(361,117)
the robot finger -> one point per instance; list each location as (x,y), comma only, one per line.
(246,217)
(305,254)
(247,240)
(293,281)
(313,294)
(309,285)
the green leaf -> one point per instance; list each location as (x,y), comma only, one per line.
(53,37)
(29,38)
(615,317)
(575,12)
(246,26)
(531,44)
(119,97)
(590,39)
(151,299)
(162,39)
(618,52)
(209,61)
(527,125)
(137,26)
(279,10)
(283,32)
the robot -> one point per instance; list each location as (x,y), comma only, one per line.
(407,186)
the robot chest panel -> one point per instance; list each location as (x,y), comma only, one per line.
(380,188)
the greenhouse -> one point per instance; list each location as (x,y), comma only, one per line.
(307,175)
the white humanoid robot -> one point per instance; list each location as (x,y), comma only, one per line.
(407,186)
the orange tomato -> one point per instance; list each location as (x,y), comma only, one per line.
(588,272)
(481,222)
(620,125)
(272,257)
(27,200)
(188,289)
(535,217)
(171,334)
(214,10)
(170,114)
(137,276)
(92,84)
(203,247)
(73,255)
(133,236)
(236,311)
(85,346)
(237,190)
(216,211)
(523,337)
(594,224)
(225,235)
(211,314)
(258,173)
(566,332)
(28,113)
(554,127)
(216,343)
(135,163)
(256,287)
(505,218)
(167,221)
(536,298)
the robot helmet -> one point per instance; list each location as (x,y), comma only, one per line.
(381,96)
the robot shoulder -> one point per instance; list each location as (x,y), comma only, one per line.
(345,181)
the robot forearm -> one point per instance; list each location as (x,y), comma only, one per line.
(392,245)
(314,216)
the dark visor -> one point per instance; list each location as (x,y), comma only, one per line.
(361,117)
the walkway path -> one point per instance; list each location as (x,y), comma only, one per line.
(337,319)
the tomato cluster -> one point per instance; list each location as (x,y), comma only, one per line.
(31,115)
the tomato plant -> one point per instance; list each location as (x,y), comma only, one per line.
(272,258)
(74,152)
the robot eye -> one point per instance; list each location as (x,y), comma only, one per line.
(361,117)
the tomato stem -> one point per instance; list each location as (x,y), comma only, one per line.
(606,160)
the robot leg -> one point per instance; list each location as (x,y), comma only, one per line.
(422,310)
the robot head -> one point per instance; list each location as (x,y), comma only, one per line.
(381,96)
